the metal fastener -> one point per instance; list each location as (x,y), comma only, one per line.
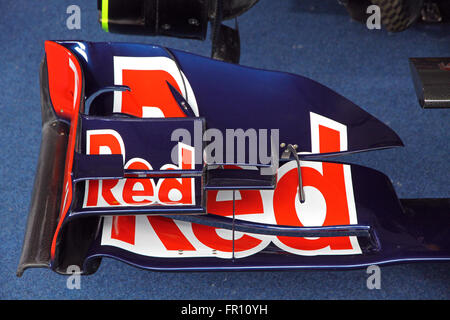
(193,21)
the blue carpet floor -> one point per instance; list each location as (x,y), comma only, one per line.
(314,38)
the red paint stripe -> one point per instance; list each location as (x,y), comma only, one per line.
(58,71)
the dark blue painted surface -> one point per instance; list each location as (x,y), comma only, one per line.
(149,139)
(306,37)
(256,92)
(377,207)
(233,96)
(376,203)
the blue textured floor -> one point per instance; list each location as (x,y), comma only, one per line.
(313,38)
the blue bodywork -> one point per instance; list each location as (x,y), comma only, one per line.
(389,230)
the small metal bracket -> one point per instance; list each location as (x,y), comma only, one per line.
(225,40)
(293,149)
(92,97)
(181,101)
